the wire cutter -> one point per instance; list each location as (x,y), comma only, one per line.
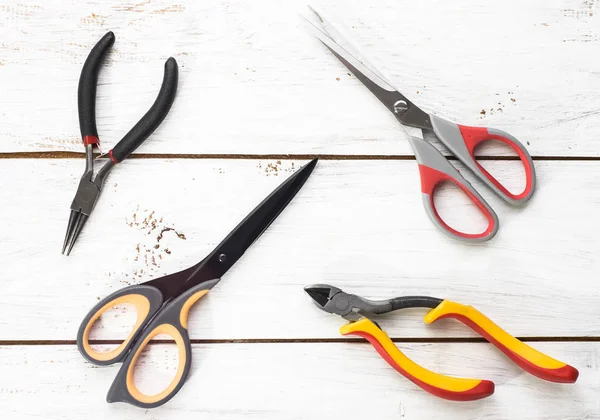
(461,140)
(163,304)
(357,310)
(91,182)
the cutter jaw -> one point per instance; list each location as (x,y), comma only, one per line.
(350,307)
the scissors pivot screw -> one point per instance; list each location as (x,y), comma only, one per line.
(400,107)
(163,303)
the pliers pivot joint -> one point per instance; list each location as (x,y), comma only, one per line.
(91,184)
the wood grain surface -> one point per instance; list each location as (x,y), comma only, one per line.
(258,96)
(253,80)
(356,224)
(296,381)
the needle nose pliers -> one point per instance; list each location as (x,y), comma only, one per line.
(357,310)
(91,183)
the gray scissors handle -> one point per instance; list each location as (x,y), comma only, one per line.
(462,142)
(434,170)
(172,321)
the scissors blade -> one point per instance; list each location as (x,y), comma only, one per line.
(323,28)
(225,255)
(403,109)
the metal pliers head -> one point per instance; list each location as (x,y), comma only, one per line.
(357,310)
(86,197)
(350,307)
(91,182)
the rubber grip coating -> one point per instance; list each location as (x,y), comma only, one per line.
(146,299)
(434,169)
(86,92)
(153,118)
(462,142)
(526,357)
(447,387)
(171,320)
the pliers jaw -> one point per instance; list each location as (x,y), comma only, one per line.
(358,310)
(85,198)
(350,307)
(91,184)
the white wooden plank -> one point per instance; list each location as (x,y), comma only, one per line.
(253,80)
(296,381)
(356,224)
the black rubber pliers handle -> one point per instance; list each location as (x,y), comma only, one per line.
(152,119)
(88,82)
(86,93)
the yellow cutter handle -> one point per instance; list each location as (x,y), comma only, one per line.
(442,386)
(526,357)
(147,301)
(172,321)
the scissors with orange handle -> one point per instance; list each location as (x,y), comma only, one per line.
(460,140)
(163,304)
(358,310)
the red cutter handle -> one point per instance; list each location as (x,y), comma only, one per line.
(447,387)
(526,357)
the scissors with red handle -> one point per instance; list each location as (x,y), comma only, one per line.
(460,140)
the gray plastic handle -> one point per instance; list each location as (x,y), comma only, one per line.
(435,169)
(462,141)
(170,320)
(146,299)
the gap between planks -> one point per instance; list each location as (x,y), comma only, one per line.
(302,340)
(73,155)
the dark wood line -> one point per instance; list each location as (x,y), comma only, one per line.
(303,340)
(77,155)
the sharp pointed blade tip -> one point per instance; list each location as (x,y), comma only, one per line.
(309,166)
(312,9)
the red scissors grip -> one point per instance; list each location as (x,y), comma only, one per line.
(475,136)
(431,179)
(435,169)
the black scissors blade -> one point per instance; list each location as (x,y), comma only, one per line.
(225,255)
